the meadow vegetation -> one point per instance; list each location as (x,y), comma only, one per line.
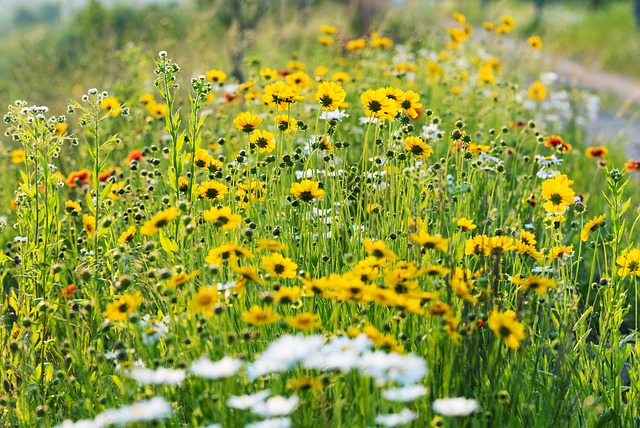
(350,229)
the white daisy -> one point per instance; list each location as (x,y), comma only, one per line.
(459,406)
(396,419)
(161,376)
(275,406)
(206,368)
(405,393)
(243,402)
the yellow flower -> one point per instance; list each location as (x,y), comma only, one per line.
(418,147)
(182,278)
(123,307)
(304,383)
(378,105)
(304,321)
(340,76)
(258,316)
(296,65)
(204,300)
(263,140)
(72,207)
(127,235)
(307,190)
(465,225)
(230,252)
(279,266)
(318,286)
(475,245)
(508,21)
(525,244)
(112,105)
(247,274)
(477,149)
(535,42)
(461,288)
(61,128)
(268,74)
(561,251)
(247,122)
(411,104)
(356,45)
(299,79)
(428,242)
(17,156)
(396,95)
(505,326)
(378,249)
(250,193)
(459,18)
(537,91)
(286,124)
(440,309)
(326,40)
(212,190)
(89,222)
(496,245)
(279,95)
(328,29)
(407,303)
(489,26)
(223,217)
(203,158)
(270,245)
(630,262)
(539,284)
(558,194)
(590,226)
(380,42)
(330,95)
(367,269)
(485,75)
(159,220)
(157,110)
(433,270)
(216,76)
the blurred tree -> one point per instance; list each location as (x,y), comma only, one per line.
(366,12)
(636,11)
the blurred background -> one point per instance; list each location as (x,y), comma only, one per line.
(52,50)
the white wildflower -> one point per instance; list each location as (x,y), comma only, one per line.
(161,376)
(396,419)
(206,368)
(243,402)
(283,353)
(405,393)
(275,406)
(459,406)
(271,423)
(334,114)
(146,410)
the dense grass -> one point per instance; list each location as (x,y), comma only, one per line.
(443,235)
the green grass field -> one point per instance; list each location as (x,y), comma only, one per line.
(337,229)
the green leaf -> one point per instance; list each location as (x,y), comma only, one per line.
(48,372)
(167,244)
(106,191)
(625,206)
(37,374)
(90,203)
(117,381)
